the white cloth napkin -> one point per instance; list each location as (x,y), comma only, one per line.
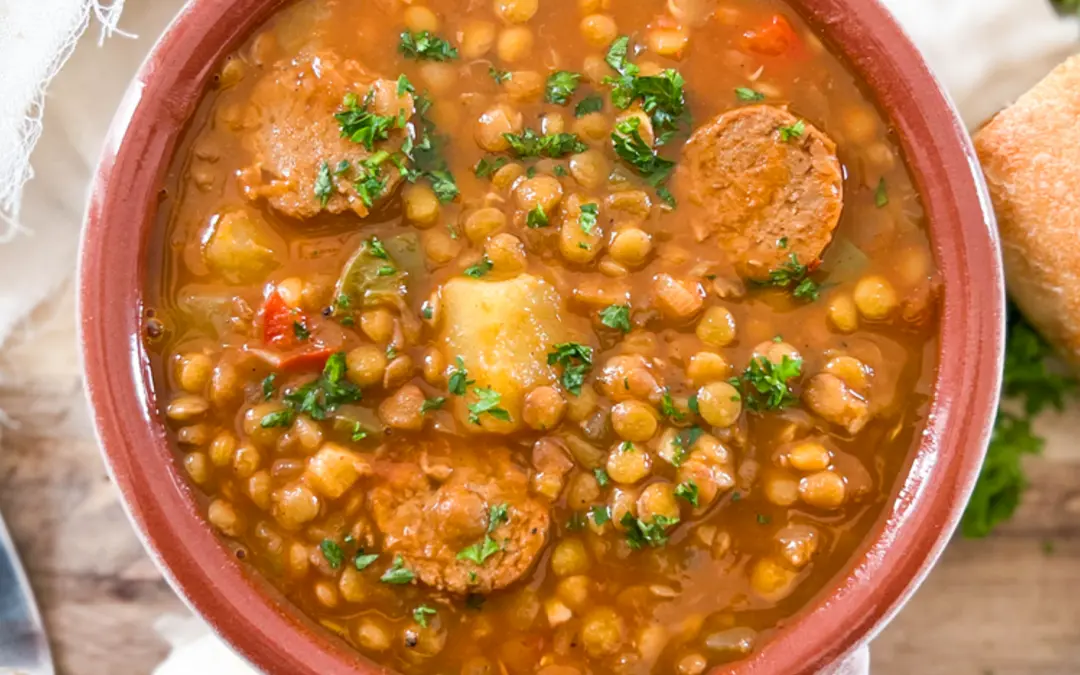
(986,52)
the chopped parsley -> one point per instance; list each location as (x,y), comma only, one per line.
(576,522)
(497,515)
(421,613)
(763,519)
(404,86)
(361,126)
(332,553)
(626,446)
(747,94)
(633,150)
(617,317)
(479,269)
(688,490)
(881,194)
(561,85)
(576,361)
(790,133)
(398,574)
(602,477)
(430,404)
(559,170)
(424,149)
(459,378)
(359,433)
(589,105)
(386,271)
(268,386)
(668,408)
(424,46)
(600,514)
(588,217)
(662,96)
(324,184)
(537,218)
(530,144)
(300,331)
(487,168)
(683,442)
(364,560)
(692,404)
(640,534)
(764,384)
(320,397)
(480,552)
(375,249)
(487,401)
(427,311)
(794,275)
(279,418)
(499,76)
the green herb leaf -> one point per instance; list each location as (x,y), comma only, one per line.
(588,217)
(268,386)
(424,46)
(421,613)
(640,533)
(398,574)
(589,105)
(497,515)
(576,361)
(478,553)
(692,403)
(764,384)
(576,522)
(688,490)
(404,86)
(602,477)
(459,378)
(359,433)
(747,94)
(668,409)
(430,404)
(487,168)
(881,194)
(375,249)
(790,133)
(300,331)
(537,218)
(600,514)
(487,401)
(319,398)
(633,150)
(332,552)
(324,184)
(479,269)
(280,418)
(617,317)
(361,126)
(530,144)
(499,76)
(561,85)
(807,290)
(363,560)
(793,274)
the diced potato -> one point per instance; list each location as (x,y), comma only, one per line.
(240,246)
(502,331)
(332,470)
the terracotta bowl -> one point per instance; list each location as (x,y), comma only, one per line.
(265,628)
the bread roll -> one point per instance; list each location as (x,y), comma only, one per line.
(1030,153)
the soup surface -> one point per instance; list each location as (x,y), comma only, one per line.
(542,336)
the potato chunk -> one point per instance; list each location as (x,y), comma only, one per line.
(333,470)
(240,246)
(502,331)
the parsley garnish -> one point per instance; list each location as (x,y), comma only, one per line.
(487,168)
(692,403)
(459,378)
(790,133)
(323,396)
(398,573)
(404,86)
(324,184)
(602,478)
(588,217)
(358,432)
(487,401)
(268,386)
(300,331)
(617,317)
(668,409)
(530,144)
(640,534)
(361,126)
(688,490)
(332,552)
(561,85)
(421,613)
(483,550)
(792,273)
(588,105)
(633,150)
(600,514)
(426,46)
(766,383)
(576,522)
(662,96)
(480,269)
(430,404)
(881,194)
(279,418)
(537,218)
(375,249)
(576,362)
(683,442)
(363,560)
(747,94)
(499,76)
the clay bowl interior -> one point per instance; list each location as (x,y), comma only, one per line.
(265,628)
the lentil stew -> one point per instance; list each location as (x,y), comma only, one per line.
(542,336)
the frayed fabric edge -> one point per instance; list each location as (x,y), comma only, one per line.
(108,15)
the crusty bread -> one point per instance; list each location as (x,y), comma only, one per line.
(1030,153)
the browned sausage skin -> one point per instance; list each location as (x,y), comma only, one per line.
(768,184)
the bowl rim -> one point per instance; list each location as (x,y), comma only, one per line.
(262,627)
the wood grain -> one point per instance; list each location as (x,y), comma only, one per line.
(1004,605)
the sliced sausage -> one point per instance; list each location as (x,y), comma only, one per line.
(430,526)
(768,184)
(291,132)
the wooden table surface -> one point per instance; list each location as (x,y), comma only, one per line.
(1008,605)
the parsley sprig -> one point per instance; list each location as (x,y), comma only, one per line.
(576,361)
(792,274)
(531,144)
(766,385)
(426,46)
(640,534)
(479,553)
(662,96)
(632,149)
(487,402)
(317,398)
(561,85)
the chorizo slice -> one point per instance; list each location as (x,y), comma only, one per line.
(768,184)
(478,531)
